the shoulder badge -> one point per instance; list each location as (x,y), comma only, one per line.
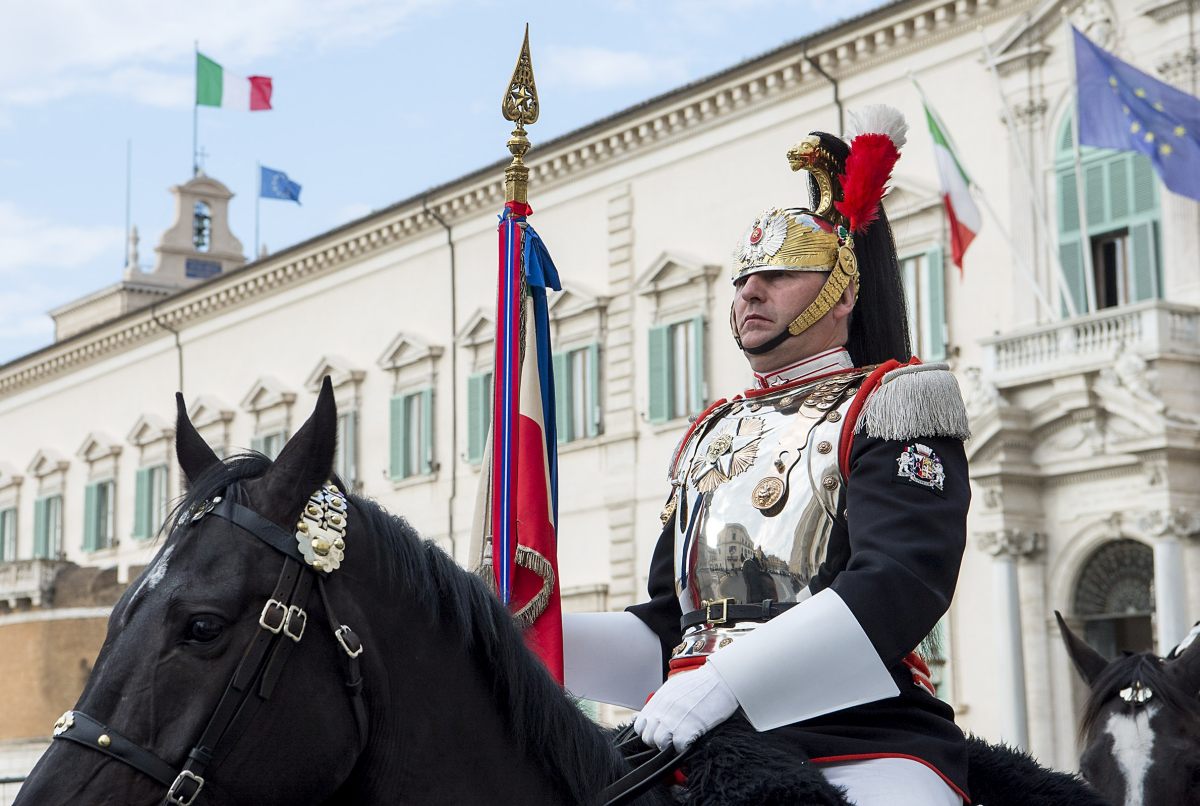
(918,464)
(915,400)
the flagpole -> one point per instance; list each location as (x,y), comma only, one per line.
(195,111)
(128,193)
(981,196)
(257,202)
(1085,239)
(1041,219)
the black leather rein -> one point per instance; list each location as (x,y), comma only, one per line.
(282,624)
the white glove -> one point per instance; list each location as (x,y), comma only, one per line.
(684,708)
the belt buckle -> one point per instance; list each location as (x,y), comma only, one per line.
(177,796)
(708,606)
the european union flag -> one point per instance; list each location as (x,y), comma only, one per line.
(1123,108)
(274,184)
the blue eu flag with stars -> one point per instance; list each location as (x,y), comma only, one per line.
(1123,108)
(274,184)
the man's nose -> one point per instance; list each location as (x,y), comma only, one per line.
(752,288)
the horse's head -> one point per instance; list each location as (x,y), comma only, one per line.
(196,673)
(1141,724)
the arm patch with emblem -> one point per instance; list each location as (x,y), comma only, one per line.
(920,466)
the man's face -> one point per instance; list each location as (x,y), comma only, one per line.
(766,302)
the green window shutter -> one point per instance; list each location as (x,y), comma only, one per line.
(660,374)
(1143,182)
(593,423)
(397,438)
(561,364)
(350,449)
(1143,258)
(427,431)
(41,529)
(91,517)
(935,305)
(698,394)
(477,420)
(143,501)
(1095,197)
(1070,253)
(258,444)
(1118,186)
(1068,203)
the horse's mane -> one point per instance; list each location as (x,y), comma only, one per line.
(546,726)
(1145,667)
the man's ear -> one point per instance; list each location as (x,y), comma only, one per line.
(845,305)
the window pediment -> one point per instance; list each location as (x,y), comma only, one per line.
(150,428)
(266,393)
(480,329)
(208,409)
(47,461)
(339,370)
(9,477)
(673,270)
(576,301)
(97,446)
(406,350)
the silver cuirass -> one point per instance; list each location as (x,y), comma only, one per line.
(756,491)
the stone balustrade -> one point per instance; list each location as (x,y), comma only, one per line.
(28,583)
(1153,329)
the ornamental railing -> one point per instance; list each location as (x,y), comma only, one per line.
(1153,329)
(28,583)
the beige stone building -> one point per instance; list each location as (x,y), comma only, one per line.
(1086,454)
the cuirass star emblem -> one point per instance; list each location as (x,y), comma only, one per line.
(730,452)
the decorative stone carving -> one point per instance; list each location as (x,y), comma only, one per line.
(979,394)
(1097,20)
(1176,68)
(1178,523)
(1012,543)
(1030,114)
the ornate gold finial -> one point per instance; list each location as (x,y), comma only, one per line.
(809,155)
(520,105)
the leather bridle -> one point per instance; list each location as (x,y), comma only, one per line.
(310,555)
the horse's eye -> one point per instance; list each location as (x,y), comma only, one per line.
(203,629)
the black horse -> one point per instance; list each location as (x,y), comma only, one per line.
(1141,724)
(419,691)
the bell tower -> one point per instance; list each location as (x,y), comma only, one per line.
(198,245)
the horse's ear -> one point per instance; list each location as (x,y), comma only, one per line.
(1088,662)
(1185,665)
(304,464)
(195,456)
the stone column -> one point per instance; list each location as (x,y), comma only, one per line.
(1007,546)
(1169,529)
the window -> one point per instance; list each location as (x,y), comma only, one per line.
(411,446)
(201,227)
(345,460)
(270,444)
(479,414)
(1115,598)
(150,503)
(47,527)
(677,386)
(1121,198)
(98,520)
(8,535)
(937,655)
(577,393)
(924,292)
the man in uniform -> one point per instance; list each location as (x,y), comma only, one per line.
(845,467)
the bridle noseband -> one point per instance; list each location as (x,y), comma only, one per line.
(314,551)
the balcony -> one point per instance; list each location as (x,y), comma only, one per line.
(1153,329)
(28,583)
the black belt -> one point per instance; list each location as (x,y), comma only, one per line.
(724,611)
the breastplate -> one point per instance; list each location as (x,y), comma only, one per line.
(756,491)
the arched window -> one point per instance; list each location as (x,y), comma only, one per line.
(202,227)
(1122,210)
(1114,598)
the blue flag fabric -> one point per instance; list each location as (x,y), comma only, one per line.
(274,184)
(1121,107)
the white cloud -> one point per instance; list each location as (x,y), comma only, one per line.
(594,68)
(142,49)
(35,247)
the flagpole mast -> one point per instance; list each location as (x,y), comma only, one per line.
(1085,239)
(257,203)
(195,112)
(128,193)
(1016,253)
(1041,219)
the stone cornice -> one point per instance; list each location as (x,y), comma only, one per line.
(881,35)
(1011,543)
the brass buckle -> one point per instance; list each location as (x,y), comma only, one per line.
(273,605)
(294,612)
(708,609)
(173,795)
(340,635)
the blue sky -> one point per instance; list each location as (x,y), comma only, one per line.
(374,101)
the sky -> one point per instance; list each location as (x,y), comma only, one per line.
(374,101)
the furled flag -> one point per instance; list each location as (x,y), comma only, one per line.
(216,86)
(273,184)
(517,518)
(965,219)
(1121,107)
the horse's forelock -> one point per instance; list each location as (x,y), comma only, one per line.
(1145,668)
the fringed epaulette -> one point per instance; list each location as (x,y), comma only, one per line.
(915,400)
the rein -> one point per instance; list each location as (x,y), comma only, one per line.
(314,551)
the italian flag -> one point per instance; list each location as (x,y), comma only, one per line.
(965,220)
(216,86)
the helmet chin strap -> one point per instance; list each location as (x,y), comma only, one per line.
(845,273)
